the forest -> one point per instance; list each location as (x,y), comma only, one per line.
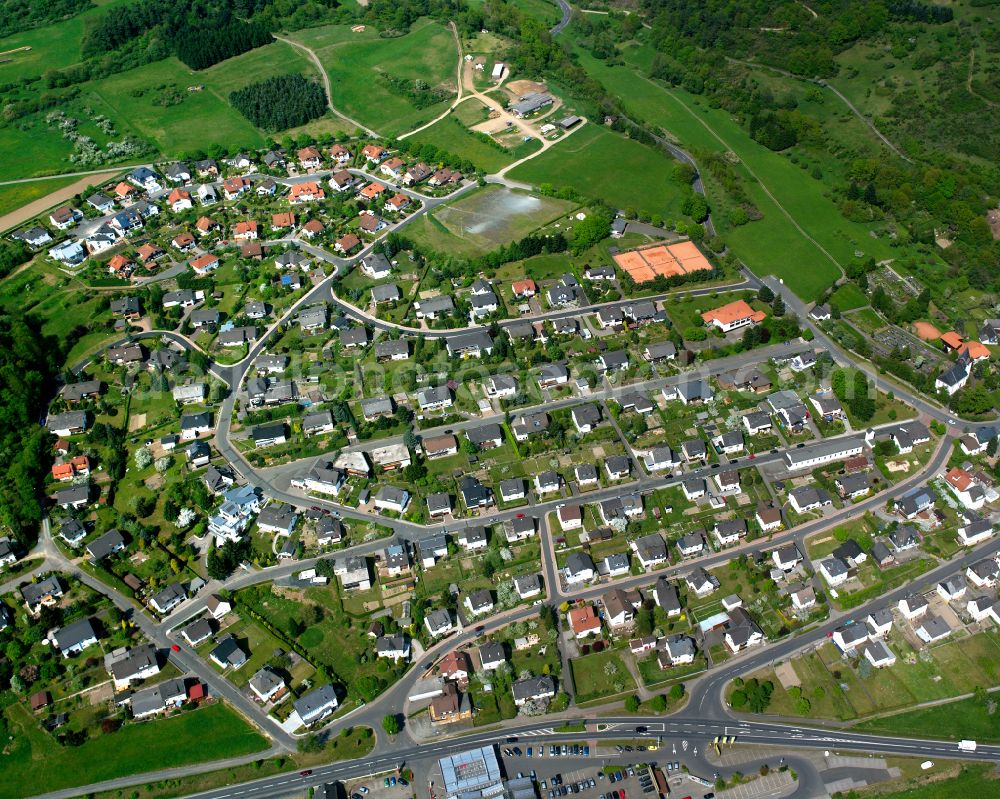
(200,47)
(284,101)
(29,363)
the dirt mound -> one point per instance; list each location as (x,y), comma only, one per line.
(926,331)
(523,87)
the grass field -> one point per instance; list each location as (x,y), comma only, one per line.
(52,47)
(805,242)
(447,135)
(357,62)
(838,690)
(599,675)
(604,165)
(200,118)
(965,718)
(18,194)
(481,221)
(541,10)
(848,297)
(973,780)
(34,760)
(153,103)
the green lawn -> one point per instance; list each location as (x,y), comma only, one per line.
(965,718)
(972,781)
(358,62)
(151,102)
(604,165)
(35,763)
(593,678)
(849,296)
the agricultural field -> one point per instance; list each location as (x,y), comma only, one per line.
(480,222)
(603,165)
(131,750)
(16,195)
(360,63)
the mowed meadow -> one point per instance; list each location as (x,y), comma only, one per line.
(605,165)
(360,63)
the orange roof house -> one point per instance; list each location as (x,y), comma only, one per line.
(204,263)
(183,240)
(123,190)
(62,471)
(372,190)
(147,252)
(975,351)
(309,155)
(283,220)
(313,228)
(75,467)
(524,288)
(179,196)
(959,478)
(373,152)
(340,153)
(347,243)
(306,192)
(245,230)
(951,340)
(583,620)
(81,464)
(233,187)
(398,202)
(455,666)
(733,315)
(119,263)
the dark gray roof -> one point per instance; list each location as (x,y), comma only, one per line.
(73,635)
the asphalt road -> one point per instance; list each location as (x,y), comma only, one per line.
(567,14)
(694,730)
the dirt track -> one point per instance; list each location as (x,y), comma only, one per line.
(33,209)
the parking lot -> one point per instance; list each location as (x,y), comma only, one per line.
(379,787)
(562,770)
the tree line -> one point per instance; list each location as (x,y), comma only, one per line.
(22,15)
(29,363)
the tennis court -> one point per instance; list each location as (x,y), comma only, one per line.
(661,260)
